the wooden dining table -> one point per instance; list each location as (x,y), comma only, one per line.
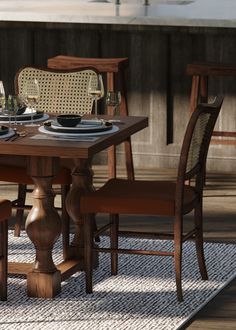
(43,223)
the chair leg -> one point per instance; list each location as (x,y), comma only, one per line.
(112,168)
(20,211)
(97,238)
(129,159)
(114,242)
(178,256)
(199,241)
(65,221)
(88,252)
(112,162)
(3,259)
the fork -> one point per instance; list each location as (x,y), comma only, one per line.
(16,135)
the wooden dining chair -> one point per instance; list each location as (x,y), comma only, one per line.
(113,70)
(5,213)
(163,198)
(202,73)
(61,91)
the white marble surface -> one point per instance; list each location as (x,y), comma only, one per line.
(205,13)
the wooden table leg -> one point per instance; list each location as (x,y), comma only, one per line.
(43,226)
(82,181)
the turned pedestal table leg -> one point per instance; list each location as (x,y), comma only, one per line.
(43,226)
(82,181)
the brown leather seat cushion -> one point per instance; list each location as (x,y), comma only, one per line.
(134,197)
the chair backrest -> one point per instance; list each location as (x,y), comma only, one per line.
(195,145)
(113,70)
(61,91)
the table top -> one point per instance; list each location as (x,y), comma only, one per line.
(194,13)
(28,146)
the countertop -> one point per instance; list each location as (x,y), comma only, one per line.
(194,13)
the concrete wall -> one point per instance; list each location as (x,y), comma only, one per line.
(157,84)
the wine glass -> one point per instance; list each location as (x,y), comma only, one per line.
(113,99)
(30,94)
(12,106)
(96,90)
(2,96)
(4,106)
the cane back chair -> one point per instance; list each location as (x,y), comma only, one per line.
(161,198)
(60,91)
(5,213)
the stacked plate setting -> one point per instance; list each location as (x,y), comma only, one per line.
(25,116)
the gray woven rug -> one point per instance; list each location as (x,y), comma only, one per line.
(142,296)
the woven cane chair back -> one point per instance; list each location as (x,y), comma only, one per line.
(60,91)
(196,141)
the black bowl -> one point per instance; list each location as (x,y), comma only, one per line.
(21,110)
(69,120)
(4,129)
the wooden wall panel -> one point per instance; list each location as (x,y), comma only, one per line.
(15,51)
(156,81)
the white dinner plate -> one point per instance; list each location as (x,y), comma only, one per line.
(27,112)
(10,133)
(84,124)
(24,121)
(4,129)
(84,127)
(43,129)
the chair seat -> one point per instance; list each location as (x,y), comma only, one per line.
(135,197)
(17,174)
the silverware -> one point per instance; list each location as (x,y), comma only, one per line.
(115,121)
(10,137)
(104,121)
(16,135)
(21,133)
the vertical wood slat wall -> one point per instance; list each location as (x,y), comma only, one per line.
(157,84)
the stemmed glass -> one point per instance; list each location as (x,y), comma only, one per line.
(12,106)
(96,89)
(4,106)
(113,99)
(30,94)
(2,96)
